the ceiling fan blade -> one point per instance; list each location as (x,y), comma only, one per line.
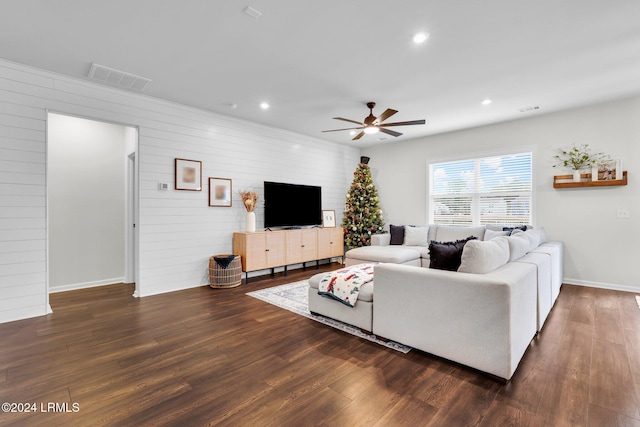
(410,122)
(336,130)
(387,113)
(358,136)
(390,132)
(348,120)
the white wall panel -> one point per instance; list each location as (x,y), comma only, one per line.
(177,230)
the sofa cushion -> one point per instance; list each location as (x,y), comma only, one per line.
(397,234)
(444,233)
(392,254)
(416,236)
(484,256)
(447,255)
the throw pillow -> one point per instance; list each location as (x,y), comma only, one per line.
(397,234)
(484,256)
(518,246)
(416,236)
(512,229)
(490,234)
(541,233)
(447,255)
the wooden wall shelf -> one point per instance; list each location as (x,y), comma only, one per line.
(564,181)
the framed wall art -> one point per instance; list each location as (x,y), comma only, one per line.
(329,219)
(607,171)
(188,175)
(220,192)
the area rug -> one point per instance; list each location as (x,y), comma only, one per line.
(295,298)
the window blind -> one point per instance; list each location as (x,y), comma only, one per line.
(480,191)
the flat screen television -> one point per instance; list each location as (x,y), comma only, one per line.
(291,205)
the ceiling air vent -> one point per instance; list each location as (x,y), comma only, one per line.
(254,13)
(529,109)
(118,78)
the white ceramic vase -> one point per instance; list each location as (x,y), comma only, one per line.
(251,221)
(576,176)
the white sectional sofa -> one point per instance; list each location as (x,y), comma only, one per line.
(483,315)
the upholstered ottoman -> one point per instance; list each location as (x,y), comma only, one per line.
(395,254)
(360,315)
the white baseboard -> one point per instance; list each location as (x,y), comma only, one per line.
(591,284)
(75,286)
(164,291)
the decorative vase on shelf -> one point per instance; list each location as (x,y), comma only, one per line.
(251,221)
(576,176)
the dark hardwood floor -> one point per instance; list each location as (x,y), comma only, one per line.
(219,357)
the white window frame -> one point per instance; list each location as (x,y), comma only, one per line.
(477,156)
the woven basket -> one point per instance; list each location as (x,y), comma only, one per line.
(229,277)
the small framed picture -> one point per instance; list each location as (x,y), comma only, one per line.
(329,219)
(608,171)
(219,192)
(188,175)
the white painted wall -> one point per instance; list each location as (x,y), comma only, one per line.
(177,230)
(600,250)
(86,201)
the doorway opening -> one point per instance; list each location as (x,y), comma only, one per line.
(92,203)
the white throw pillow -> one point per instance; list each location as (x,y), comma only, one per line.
(541,233)
(518,245)
(416,236)
(534,239)
(481,257)
(491,234)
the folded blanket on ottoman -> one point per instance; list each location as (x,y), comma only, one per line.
(344,284)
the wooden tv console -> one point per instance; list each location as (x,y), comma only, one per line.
(263,250)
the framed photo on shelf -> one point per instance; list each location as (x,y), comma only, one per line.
(329,219)
(608,171)
(220,192)
(188,175)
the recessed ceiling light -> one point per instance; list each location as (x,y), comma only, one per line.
(420,38)
(264,105)
(486,101)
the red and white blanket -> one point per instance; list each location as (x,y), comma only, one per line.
(344,284)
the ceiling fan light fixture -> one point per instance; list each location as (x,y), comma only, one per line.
(369,130)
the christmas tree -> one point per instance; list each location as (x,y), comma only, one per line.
(362,214)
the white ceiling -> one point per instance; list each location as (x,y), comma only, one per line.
(314,60)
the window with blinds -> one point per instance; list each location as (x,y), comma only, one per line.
(487,190)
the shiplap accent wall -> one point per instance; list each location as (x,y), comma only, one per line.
(177,230)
